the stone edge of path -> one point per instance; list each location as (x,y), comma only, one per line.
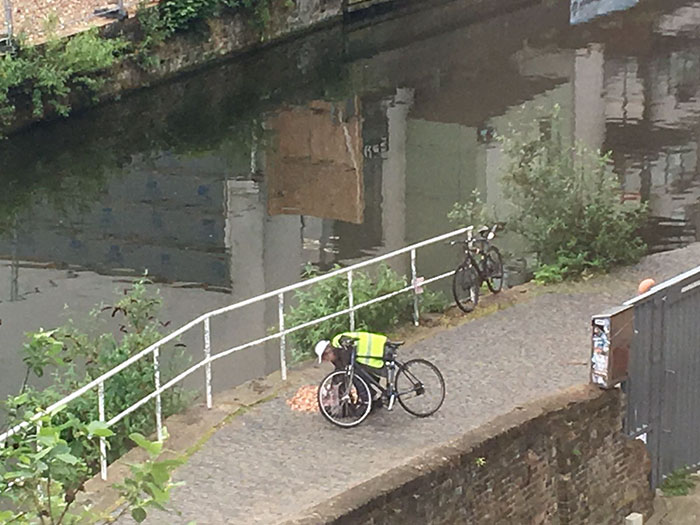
(334,509)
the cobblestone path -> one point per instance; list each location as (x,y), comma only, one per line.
(270,463)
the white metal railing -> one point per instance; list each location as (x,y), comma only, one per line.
(208,358)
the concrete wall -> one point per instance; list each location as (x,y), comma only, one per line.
(560,460)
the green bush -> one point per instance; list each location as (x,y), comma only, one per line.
(40,477)
(679,482)
(331,295)
(471,212)
(50,72)
(181,14)
(567,204)
(75,357)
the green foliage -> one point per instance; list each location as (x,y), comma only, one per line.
(149,484)
(154,33)
(177,15)
(40,476)
(471,212)
(331,295)
(567,204)
(172,16)
(679,482)
(77,357)
(433,301)
(48,73)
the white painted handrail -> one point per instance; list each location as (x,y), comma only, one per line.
(208,359)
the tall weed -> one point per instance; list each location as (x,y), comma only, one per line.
(74,357)
(331,295)
(567,203)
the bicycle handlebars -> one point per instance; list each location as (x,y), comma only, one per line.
(485,231)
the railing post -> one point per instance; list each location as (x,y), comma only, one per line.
(8,20)
(351,302)
(156,378)
(103,443)
(283,338)
(414,281)
(207,356)
(38,431)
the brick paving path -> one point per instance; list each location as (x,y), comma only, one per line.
(271,463)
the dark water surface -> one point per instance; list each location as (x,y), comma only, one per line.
(348,142)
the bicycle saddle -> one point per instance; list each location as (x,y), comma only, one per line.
(395,344)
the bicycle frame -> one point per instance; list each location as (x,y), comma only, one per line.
(392,367)
(469,257)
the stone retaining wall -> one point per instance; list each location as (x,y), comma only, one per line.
(223,36)
(562,460)
(215,40)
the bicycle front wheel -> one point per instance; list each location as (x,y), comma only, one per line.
(344,403)
(465,287)
(420,387)
(494,270)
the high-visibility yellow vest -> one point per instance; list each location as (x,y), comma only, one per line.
(370,347)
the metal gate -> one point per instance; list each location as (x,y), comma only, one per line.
(663,389)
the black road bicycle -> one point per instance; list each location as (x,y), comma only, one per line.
(482,263)
(345,397)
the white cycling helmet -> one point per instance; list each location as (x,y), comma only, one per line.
(320,348)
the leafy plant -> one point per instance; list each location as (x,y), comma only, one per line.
(679,483)
(154,33)
(433,301)
(149,484)
(567,204)
(173,16)
(471,212)
(331,295)
(177,15)
(40,475)
(49,73)
(76,357)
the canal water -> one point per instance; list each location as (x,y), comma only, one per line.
(345,143)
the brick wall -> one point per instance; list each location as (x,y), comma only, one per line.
(561,460)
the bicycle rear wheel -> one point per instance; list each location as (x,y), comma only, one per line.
(465,287)
(420,387)
(494,270)
(344,404)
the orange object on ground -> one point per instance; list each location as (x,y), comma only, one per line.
(305,400)
(646,285)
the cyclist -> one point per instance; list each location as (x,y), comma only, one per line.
(369,357)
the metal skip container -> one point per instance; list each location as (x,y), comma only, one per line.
(612,333)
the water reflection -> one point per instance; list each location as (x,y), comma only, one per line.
(346,143)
